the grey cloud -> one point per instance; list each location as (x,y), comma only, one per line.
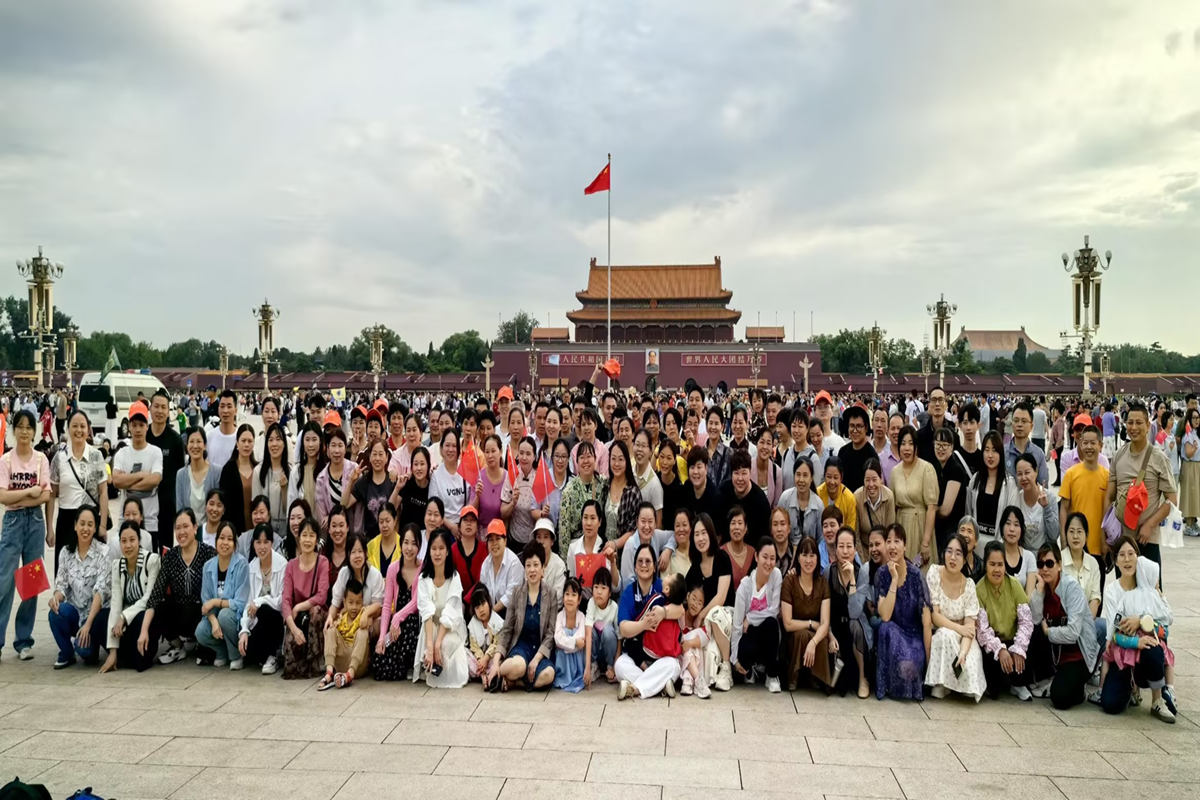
(1172,41)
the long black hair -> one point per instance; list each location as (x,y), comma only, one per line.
(443,535)
(265,470)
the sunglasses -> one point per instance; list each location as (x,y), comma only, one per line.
(1047,564)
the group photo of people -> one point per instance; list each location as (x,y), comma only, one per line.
(667,543)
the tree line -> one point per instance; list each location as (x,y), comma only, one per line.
(847,352)
(465,351)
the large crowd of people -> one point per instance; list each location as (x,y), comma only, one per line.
(667,543)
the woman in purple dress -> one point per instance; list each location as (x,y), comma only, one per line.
(903,638)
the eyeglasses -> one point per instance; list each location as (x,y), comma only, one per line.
(1047,564)
(937,399)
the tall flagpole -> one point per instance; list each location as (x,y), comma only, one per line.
(609,354)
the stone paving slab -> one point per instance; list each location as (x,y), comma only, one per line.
(184,732)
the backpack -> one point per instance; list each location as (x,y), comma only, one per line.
(15,790)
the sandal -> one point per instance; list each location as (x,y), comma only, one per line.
(343,680)
(327,681)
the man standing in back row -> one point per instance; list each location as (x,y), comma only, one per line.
(163,436)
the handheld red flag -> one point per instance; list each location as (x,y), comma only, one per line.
(600,184)
(468,465)
(543,483)
(512,468)
(31,579)
(611,368)
(586,565)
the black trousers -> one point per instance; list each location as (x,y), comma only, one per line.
(266,636)
(760,646)
(128,656)
(1068,689)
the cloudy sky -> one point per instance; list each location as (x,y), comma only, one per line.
(422,163)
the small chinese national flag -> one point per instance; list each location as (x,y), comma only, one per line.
(543,482)
(31,579)
(600,184)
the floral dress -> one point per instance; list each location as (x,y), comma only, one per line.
(397,659)
(945,643)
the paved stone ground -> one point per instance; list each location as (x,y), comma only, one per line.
(188,732)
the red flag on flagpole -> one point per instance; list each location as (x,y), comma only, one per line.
(600,184)
(31,579)
(512,468)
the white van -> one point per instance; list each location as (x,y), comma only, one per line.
(123,387)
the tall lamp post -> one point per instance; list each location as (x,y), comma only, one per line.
(40,274)
(1085,300)
(70,339)
(756,356)
(941,311)
(926,365)
(375,336)
(266,316)
(875,355)
(488,363)
(534,354)
(1105,369)
(223,364)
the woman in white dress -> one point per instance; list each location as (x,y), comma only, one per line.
(441,656)
(955,660)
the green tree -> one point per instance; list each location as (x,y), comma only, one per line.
(464,351)
(1038,362)
(518,329)
(961,360)
(1000,366)
(1020,357)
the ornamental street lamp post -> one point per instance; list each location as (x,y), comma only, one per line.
(40,274)
(223,364)
(941,311)
(1085,300)
(70,339)
(488,363)
(534,353)
(875,355)
(926,365)
(375,337)
(266,316)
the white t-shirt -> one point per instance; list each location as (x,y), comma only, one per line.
(1039,424)
(148,459)
(220,446)
(453,491)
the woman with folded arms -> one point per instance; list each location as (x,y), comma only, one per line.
(223,597)
(305,589)
(133,575)
(262,620)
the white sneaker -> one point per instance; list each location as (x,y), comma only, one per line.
(270,666)
(669,689)
(236,664)
(219,662)
(1021,693)
(25,654)
(750,678)
(1040,689)
(1163,713)
(724,681)
(773,685)
(702,690)
(624,690)
(172,655)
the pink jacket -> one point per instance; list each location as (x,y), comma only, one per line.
(391,589)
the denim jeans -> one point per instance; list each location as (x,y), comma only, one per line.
(230,626)
(22,540)
(64,625)
(604,647)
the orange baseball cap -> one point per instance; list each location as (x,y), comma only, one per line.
(496,528)
(505,393)
(332,418)
(139,410)
(1081,421)
(469,509)
(381,406)
(822,395)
